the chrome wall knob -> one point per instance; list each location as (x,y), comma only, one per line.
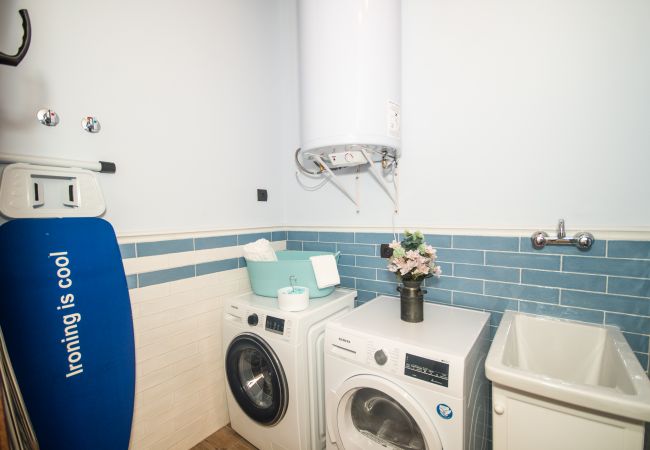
(90,124)
(47,117)
(539,239)
(584,241)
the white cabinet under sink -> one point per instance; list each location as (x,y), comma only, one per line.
(528,422)
(564,385)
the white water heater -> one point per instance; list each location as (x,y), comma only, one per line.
(350,78)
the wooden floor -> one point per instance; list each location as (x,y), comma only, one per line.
(225,438)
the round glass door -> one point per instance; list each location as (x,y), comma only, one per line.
(379,417)
(374,413)
(256,379)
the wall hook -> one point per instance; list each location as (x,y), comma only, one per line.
(14,60)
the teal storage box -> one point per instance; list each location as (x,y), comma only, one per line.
(267,277)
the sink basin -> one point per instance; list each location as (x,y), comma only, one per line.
(589,366)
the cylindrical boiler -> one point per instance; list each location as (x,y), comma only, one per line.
(350,75)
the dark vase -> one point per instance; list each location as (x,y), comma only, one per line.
(412,300)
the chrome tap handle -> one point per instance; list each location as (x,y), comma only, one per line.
(561,232)
(584,240)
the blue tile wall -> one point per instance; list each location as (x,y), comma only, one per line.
(165,275)
(164,247)
(215,242)
(279,236)
(629,249)
(183,245)
(326,236)
(132,281)
(127,251)
(608,284)
(217,266)
(243,239)
(319,247)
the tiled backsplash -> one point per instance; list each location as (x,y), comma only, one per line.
(608,284)
(178,285)
(193,256)
(177,289)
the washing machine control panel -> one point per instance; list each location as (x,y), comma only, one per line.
(429,370)
(274,324)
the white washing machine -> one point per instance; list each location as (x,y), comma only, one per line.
(399,385)
(274,369)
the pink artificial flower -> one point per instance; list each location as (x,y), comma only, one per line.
(412,254)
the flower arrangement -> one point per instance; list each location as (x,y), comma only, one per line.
(412,258)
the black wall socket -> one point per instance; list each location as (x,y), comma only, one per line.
(386,251)
(262,195)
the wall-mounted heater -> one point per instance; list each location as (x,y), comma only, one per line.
(350,89)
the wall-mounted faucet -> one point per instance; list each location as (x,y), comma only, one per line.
(582,240)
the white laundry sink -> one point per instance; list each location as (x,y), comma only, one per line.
(565,385)
(586,365)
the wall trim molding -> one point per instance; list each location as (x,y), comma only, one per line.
(624,233)
(632,234)
(154,236)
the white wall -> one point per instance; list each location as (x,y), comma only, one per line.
(186,93)
(514,114)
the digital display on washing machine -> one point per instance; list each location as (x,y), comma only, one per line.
(431,371)
(275,324)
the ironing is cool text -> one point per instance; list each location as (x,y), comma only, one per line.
(70,319)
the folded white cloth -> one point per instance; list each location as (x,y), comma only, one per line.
(325,270)
(259,250)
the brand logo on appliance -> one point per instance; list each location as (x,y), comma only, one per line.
(347,341)
(444,411)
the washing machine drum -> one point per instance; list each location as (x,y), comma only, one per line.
(256,379)
(369,415)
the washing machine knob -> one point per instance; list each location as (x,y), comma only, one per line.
(252,319)
(380,357)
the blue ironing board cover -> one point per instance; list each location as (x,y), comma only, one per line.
(66,318)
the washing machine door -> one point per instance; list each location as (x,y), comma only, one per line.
(256,379)
(371,412)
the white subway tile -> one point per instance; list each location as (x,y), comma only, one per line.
(162,304)
(154,378)
(184,285)
(158,428)
(149,293)
(180,376)
(167,359)
(143,410)
(155,334)
(181,259)
(193,434)
(169,316)
(170,343)
(146,264)
(217,254)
